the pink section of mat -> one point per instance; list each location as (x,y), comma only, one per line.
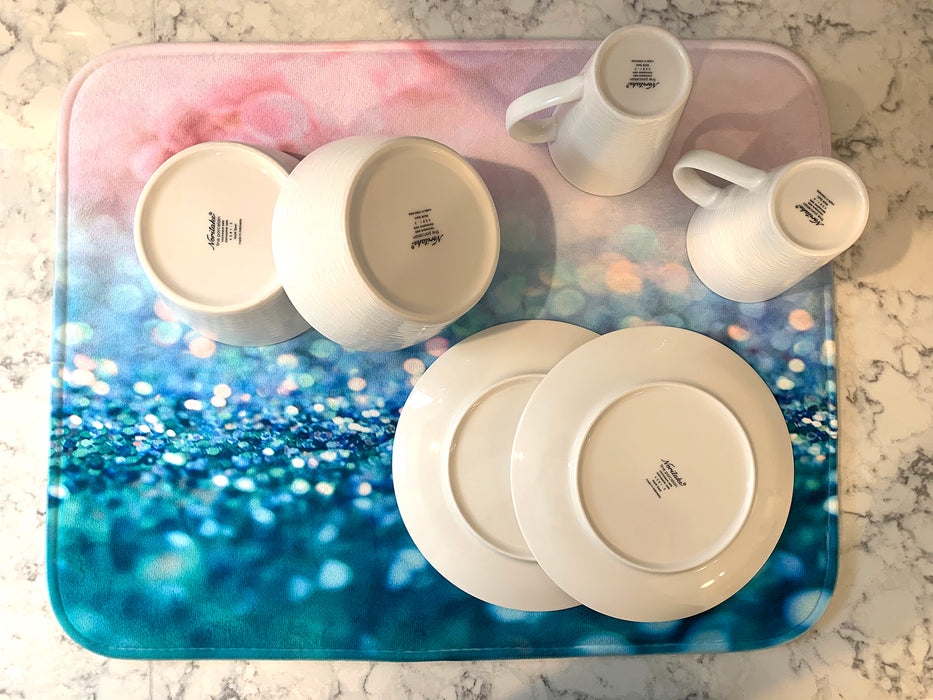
(131,109)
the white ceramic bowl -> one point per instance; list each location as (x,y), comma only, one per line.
(381,242)
(203,236)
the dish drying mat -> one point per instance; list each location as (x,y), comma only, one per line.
(213,501)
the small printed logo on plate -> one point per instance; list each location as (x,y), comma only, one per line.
(665,479)
(221,230)
(815,208)
(642,74)
(424,233)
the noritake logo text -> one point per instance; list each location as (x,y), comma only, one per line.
(211,230)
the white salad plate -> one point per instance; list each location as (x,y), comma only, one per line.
(452,459)
(652,473)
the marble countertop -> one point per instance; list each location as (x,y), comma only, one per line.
(873,60)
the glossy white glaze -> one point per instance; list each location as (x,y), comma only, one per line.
(613,122)
(457,507)
(652,473)
(381,242)
(203,234)
(766,231)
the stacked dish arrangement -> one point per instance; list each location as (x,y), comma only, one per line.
(646,473)
(377,242)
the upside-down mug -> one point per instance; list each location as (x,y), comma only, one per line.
(760,235)
(614,121)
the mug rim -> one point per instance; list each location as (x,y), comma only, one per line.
(667,36)
(273,289)
(784,171)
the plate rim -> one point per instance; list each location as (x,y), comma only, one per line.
(422,504)
(566,549)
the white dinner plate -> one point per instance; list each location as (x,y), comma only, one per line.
(652,473)
(451,461)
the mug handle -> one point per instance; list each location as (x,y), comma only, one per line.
(704,193)
(521,128)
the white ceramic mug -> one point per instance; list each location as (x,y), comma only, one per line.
(381,242)
(614,121)
(203,237)
(757,237)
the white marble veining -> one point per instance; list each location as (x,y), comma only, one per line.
(874,62)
